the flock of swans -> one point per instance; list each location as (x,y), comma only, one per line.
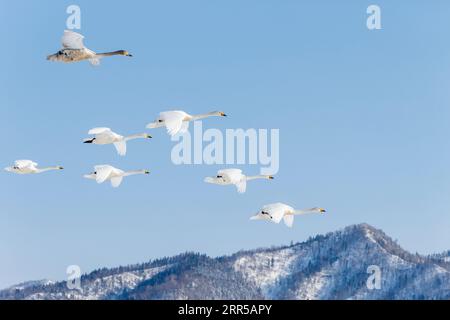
(175,122)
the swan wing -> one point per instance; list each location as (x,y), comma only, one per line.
(288,220)
(241,185)
(276,211)
(173,121)
(24,163)
(173,126)
(121,147)
(99,130)
(233,176)
(116,181)
(103,173)
(72,40)
(94,61)
(184,127)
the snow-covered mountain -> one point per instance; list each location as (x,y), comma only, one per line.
(332,266)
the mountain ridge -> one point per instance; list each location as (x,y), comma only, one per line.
(330,266)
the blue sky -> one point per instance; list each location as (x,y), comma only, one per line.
(363,118)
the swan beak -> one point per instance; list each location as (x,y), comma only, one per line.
(323,210)
(223,114)
(149,136)
(128,54)
(60,168)
(147,172)
(271,177)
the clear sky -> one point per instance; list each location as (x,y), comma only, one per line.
(363,118)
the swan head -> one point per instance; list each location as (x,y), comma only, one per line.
(147,136)
(146,172)
(219,113)
(125,53)
(321,210)
(60,168)
(270,177)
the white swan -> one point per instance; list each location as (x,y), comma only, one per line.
(277,211)
(234,176)
(74,50)
(106,136)
(178,121)
(29,167)
(103,173)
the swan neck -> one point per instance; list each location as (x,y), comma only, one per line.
(47,169)
(203,116)
(133,172)
(135,136)
(257,177)
(108,54)
(304,211)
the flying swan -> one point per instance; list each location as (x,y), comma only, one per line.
(73,50)
(103,173)
(106,136)
(277,211)
(178,121)
(234,176)
(29,167)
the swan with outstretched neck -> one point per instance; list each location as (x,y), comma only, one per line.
(178,121)
(106,172)
(102,136)
(73,50)
(29,167)
(234,177)
(276,212)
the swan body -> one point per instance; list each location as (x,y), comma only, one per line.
(104,173)
(279,211)
(106,136)
(29,167)
(73,50)
(234,177)
(178,121)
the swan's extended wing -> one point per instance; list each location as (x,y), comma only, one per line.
(24,164)
(116,181)
(72,40)
(276,211)
(173,120)
(99,130)
(241,185)
(288,220)
(103,173)
(184,127)
(121,147)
